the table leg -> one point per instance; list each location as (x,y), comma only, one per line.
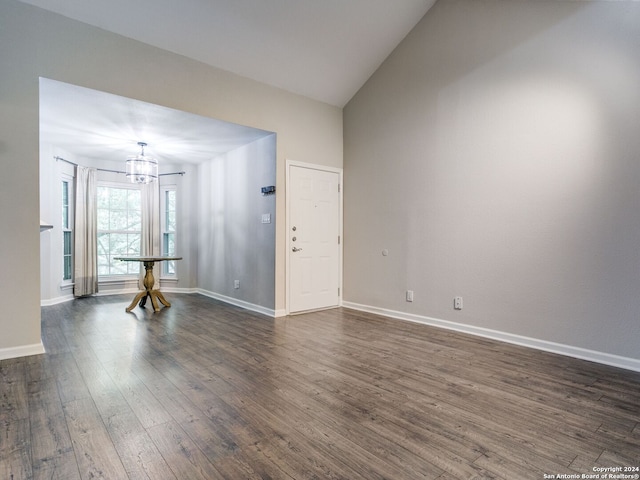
(154,302)
(162,299)
(143,302)
(135,300)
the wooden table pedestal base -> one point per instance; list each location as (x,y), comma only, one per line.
(155,295)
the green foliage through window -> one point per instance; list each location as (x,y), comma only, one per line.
(119,229)
(169,231)
(66,234)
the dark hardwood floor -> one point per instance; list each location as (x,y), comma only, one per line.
(205,390)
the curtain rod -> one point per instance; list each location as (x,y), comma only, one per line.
(113,171)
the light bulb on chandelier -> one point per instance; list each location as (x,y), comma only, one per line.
(142,168)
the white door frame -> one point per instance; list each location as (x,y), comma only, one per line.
(323,168)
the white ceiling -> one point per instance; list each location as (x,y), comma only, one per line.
(103,127)
(322,49)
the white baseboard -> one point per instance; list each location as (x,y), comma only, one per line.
(562,349)
(21,351)
(55,301)
(238,303)
(178,290)
(117,291)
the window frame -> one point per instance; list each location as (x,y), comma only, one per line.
(67,224)
(132,267)
(168,267)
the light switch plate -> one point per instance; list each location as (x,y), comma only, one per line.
(266,218)
(457,303)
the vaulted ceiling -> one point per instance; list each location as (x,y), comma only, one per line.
(322,49)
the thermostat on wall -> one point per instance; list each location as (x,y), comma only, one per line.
(270,190)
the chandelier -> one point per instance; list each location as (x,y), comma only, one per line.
(142,168)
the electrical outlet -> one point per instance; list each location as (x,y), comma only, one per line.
(236,284)
(409,295)
(457,303)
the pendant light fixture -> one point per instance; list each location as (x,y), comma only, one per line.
(142,168)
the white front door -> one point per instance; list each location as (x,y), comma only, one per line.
(313,238)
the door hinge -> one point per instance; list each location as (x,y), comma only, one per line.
(338,291)
(338,239)
(338,188)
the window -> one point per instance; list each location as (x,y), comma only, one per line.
(169,228)
(119,229)
(67,232)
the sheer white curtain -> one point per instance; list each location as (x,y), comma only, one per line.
(85,257)
(150,244)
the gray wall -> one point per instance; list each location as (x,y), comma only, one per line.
(495,155)
(233,242)
(35,43)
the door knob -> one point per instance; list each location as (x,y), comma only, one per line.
(295,249)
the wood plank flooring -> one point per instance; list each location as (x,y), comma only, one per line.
(205,390)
